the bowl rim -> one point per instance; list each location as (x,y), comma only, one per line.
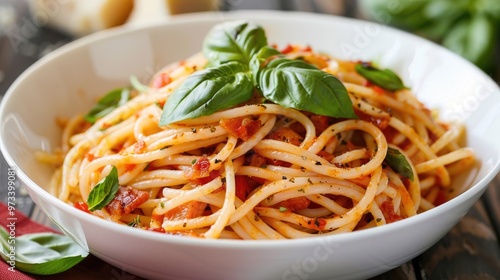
(180,20)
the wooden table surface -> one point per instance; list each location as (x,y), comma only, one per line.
(471,250)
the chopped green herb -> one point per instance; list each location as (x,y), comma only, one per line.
(283,209)
(136,222)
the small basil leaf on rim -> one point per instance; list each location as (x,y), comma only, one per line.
(397,161)
(383,78)
(208,91)
(233,41)
(108,103)
(302,86)
(44,253)
(104,192)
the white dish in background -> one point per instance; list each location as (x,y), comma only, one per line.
(69,80)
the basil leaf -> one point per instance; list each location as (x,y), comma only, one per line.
(41,253)
(442,16)
(104,192)
(299,85)
(208,91)
(264,54)
(383,78)
(397,161)
(108,103)
(473,39)
(233,41)
(261,58)
(407,14)
(487,7)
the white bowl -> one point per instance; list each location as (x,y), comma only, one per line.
(68,81)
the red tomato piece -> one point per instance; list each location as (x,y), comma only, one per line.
(126,200)
(440,198)
(82,206)
(287,135)
(199,169)
(242,187)
(241,127)
(380,122)
(161,80)
(321,123)
(187,210)
(294,204)
(287,49)
(387,209)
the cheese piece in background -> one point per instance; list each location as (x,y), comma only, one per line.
(191,6)
(82,17)
(147,11)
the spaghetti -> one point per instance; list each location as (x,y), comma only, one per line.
(259,170)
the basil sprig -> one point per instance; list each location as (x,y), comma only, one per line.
(104,192)
(241,64)
(384,78)
(467,27)
(108,103)
(41,253)
(397,161)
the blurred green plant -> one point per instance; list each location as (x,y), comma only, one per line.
(467,27)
